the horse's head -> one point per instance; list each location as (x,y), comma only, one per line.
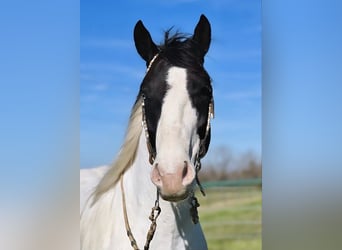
(177,95)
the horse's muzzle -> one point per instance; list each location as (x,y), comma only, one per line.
(173,186)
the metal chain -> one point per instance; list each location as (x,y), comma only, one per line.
(153,217)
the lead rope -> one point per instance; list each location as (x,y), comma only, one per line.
(128,228)
(153,217)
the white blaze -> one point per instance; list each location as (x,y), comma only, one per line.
(177,125)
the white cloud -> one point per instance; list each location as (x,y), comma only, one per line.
(252,29)
(100,87)
(220,53)
(224,76)
(88,98)
(222,125)
(242,95)
(114,68)
(107,43)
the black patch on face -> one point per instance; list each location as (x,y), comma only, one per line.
(200,92)
(154,88)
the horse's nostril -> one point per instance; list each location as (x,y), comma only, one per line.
(185,169)
(156,176)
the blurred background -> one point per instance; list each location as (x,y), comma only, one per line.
(110,75)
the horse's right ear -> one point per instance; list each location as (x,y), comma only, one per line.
(143,42)
(202,34)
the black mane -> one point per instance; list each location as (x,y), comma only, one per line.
(181,50)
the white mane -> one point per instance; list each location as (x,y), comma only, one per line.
(95,228)
(126,155)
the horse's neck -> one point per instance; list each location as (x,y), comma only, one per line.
(103,226)
(137,182)
(174,223)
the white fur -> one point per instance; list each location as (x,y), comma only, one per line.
(102,224)
(177,124)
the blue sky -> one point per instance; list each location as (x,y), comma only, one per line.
(111,70)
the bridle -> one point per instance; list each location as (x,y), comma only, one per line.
(156,210)
(151,150)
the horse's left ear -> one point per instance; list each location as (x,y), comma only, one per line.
(144,44)
(202,34)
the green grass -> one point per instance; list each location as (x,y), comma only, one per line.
(231,218)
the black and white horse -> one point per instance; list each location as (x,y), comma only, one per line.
(167,135)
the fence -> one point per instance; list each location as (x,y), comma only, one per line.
(230,214)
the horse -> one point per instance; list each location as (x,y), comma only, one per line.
(167,135)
